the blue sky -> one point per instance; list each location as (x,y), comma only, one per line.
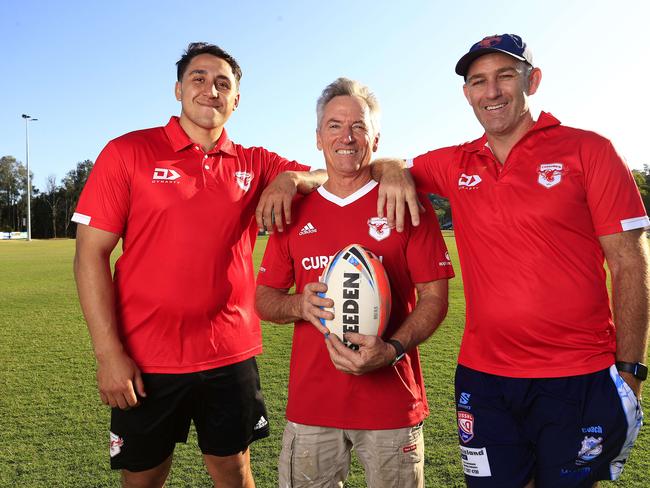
(91,71)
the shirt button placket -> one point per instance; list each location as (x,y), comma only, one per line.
(205,166)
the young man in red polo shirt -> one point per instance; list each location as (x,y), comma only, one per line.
(174,333)
(547,380)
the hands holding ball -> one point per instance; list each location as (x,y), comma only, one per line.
(351,307)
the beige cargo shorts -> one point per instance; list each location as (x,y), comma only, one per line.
(317,457)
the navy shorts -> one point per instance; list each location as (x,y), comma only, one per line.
(563,432)
(226,405)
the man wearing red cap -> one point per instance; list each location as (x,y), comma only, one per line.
(547,380)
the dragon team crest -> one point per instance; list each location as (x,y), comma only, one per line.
(378,228)
(550,174)
(243,179)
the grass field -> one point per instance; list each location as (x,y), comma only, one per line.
(54,430)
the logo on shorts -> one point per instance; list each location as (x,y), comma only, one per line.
(464,398)
(243,179)
(591,448)
(577,473)
(550,174)
(261,423)
(115,444)
(593,429)
(476,462)
(465,426)
(409,448)
(378,228)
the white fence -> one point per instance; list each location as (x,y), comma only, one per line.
(12,235)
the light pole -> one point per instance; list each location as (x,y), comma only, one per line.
(28,118)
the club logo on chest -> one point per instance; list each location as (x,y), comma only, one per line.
(378,228)
(243,179)
(550,174)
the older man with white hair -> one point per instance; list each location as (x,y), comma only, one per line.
(371,399)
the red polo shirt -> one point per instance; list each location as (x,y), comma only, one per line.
(527,233)
(184,283)
(323,224)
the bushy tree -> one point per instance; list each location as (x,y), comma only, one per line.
(642,178)
(13,183)
(52,208)
(442,208)
(72,184)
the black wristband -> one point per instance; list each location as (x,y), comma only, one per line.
(638,370)
(399,350)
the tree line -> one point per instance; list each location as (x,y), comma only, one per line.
(642,178)
(53,206)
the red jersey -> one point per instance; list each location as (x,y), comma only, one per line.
(319,394)
(185,283)
(527,234)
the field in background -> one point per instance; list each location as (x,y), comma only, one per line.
(54,430)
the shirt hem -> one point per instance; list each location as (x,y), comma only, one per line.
(543,371)
(195,368)
(359,424)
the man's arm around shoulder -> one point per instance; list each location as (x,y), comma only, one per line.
(274,207)
(396,192)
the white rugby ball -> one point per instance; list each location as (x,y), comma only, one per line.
(357,283)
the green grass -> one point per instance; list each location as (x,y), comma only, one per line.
(54,430)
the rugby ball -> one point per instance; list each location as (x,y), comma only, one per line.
(357,283)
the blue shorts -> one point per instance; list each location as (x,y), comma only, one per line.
(563,432)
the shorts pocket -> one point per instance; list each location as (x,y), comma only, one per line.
(305,461)
(402,462)
(411,470)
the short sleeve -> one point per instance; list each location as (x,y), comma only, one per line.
(104,201)
(612,194)
(430,170)
(276,269)
(426,252)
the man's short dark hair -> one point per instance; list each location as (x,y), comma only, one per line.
(196,48)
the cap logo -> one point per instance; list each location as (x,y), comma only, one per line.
(490,41)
